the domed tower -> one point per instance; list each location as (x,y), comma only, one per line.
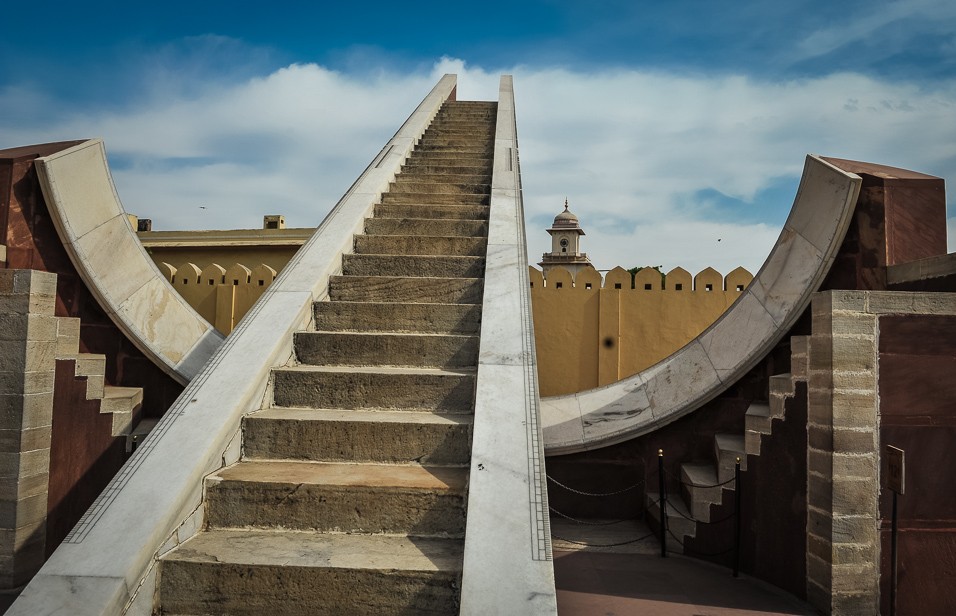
(566,252)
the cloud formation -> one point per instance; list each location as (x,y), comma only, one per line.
(658,166)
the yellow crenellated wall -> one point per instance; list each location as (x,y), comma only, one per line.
(221,295)
(589,334)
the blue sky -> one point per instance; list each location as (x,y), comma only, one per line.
(667,125)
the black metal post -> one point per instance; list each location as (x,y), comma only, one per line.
(893,535)
(663,501)
(737,518)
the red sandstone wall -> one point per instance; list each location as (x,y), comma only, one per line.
(900,217)
(917,366)
(83,454)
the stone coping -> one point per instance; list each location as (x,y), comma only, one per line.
(107,563)
(225,238)
(507,564)
(725,351)
(96,232)
(923,269)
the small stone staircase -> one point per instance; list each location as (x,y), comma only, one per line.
(350,494)
(698,478)
(122,403)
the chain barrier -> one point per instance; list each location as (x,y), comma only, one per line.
(603,545)
(585,522)
(596,494)
(665,511)
(672,508)
(694,485)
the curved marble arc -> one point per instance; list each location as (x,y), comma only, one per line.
(733,344)
(102,245)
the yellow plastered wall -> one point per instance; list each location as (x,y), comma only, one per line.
(589,333)
(222,295)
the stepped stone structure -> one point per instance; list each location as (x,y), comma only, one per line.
(370,437)
(385,379)
(49,389)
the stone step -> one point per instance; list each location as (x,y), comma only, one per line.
(486,113)
(679,525)
(700,489)
(289,573)
(757,421)
(425,318)
(800,357)
(781,385)
(443,170)
(461,138)
(420,245)
(412,265)
(453,159)
(124,404)
(409,198)
(337,435)
(444,212)
(476,150)
(477,130)
(92,367)
(727,449)
(412,290)
(318,348)
(420,174)
(470,109)
(426,226)
(67,337)
(447,133)
(414,186)
(339,497)
(448,391)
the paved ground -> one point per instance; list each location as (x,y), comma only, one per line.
(634,580)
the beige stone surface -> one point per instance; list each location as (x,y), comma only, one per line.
(101,244)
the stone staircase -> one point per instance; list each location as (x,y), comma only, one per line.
(122,403)
(699,478)
(350,494)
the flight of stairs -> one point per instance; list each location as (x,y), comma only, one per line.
(697,495)
(350,494)
(124,404)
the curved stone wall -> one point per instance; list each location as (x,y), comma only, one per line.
(102,245)
(726,350)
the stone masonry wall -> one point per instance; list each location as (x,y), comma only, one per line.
(843,456)
(28,333)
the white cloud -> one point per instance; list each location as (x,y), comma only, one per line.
(632,150)
(883,21)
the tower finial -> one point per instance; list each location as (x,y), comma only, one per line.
(565,204)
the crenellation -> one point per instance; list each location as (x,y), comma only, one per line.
(620,324)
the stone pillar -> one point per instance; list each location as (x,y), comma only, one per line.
(28,333)
(842,456)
